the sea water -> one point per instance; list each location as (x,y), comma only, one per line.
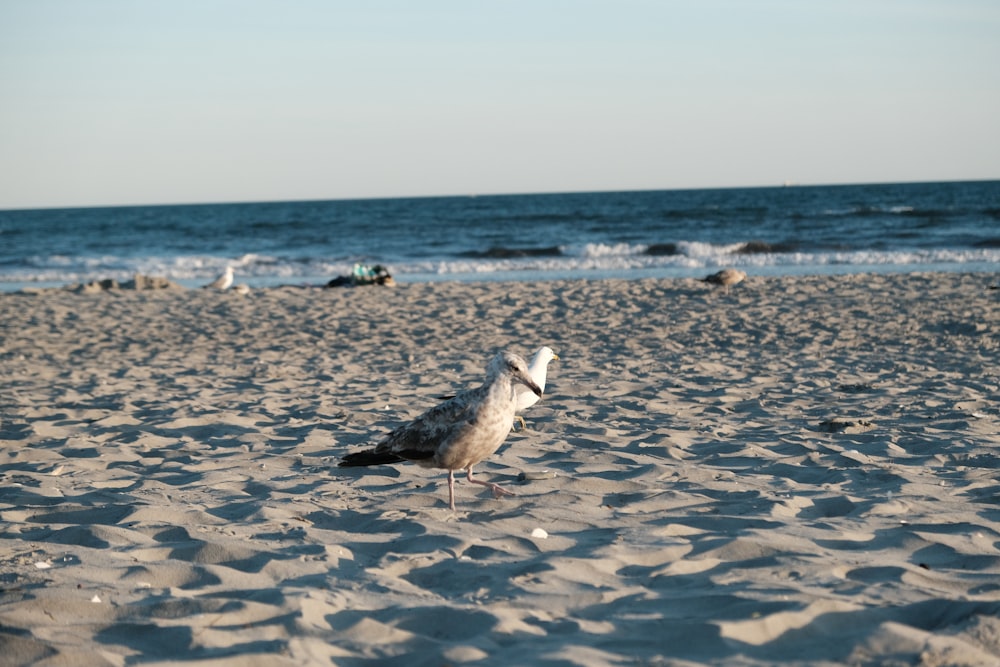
(952,226)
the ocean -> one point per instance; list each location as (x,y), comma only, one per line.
(792,230)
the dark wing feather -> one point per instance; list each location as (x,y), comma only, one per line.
(368,457)
(421,438)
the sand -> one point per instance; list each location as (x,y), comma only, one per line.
(805,471)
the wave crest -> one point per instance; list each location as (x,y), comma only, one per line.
(687,258)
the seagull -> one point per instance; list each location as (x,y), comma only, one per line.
(460,432)
(726,278)
(538,370)
(222,282)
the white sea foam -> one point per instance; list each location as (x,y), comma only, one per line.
(593,260)
(699,250)
(773,263)
(599,250)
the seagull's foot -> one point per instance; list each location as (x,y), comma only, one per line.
(499,491)
(521,419)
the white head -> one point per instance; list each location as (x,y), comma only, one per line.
(543,356)
(540,363)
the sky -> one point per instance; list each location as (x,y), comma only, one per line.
(118,102)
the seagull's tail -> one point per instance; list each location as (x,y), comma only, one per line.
(368,457)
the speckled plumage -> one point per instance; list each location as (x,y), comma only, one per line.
(460,432)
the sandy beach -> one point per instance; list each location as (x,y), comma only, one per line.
(803,471)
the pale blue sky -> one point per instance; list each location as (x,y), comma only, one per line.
(121,102)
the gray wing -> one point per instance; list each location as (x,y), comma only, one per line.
(422,437)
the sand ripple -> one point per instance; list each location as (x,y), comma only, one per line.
(805,473)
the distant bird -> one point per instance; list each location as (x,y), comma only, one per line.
(726,277)
(460,432)
(538,369)
(222,282)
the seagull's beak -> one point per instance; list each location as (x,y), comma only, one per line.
(530,384)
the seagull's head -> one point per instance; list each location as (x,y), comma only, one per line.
(514,366)
(544,355)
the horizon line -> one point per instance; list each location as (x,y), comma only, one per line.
(472,195)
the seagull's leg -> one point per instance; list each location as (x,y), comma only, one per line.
(451,489)
(521,419)
(498,491)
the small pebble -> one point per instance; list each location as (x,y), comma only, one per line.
(539,533)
